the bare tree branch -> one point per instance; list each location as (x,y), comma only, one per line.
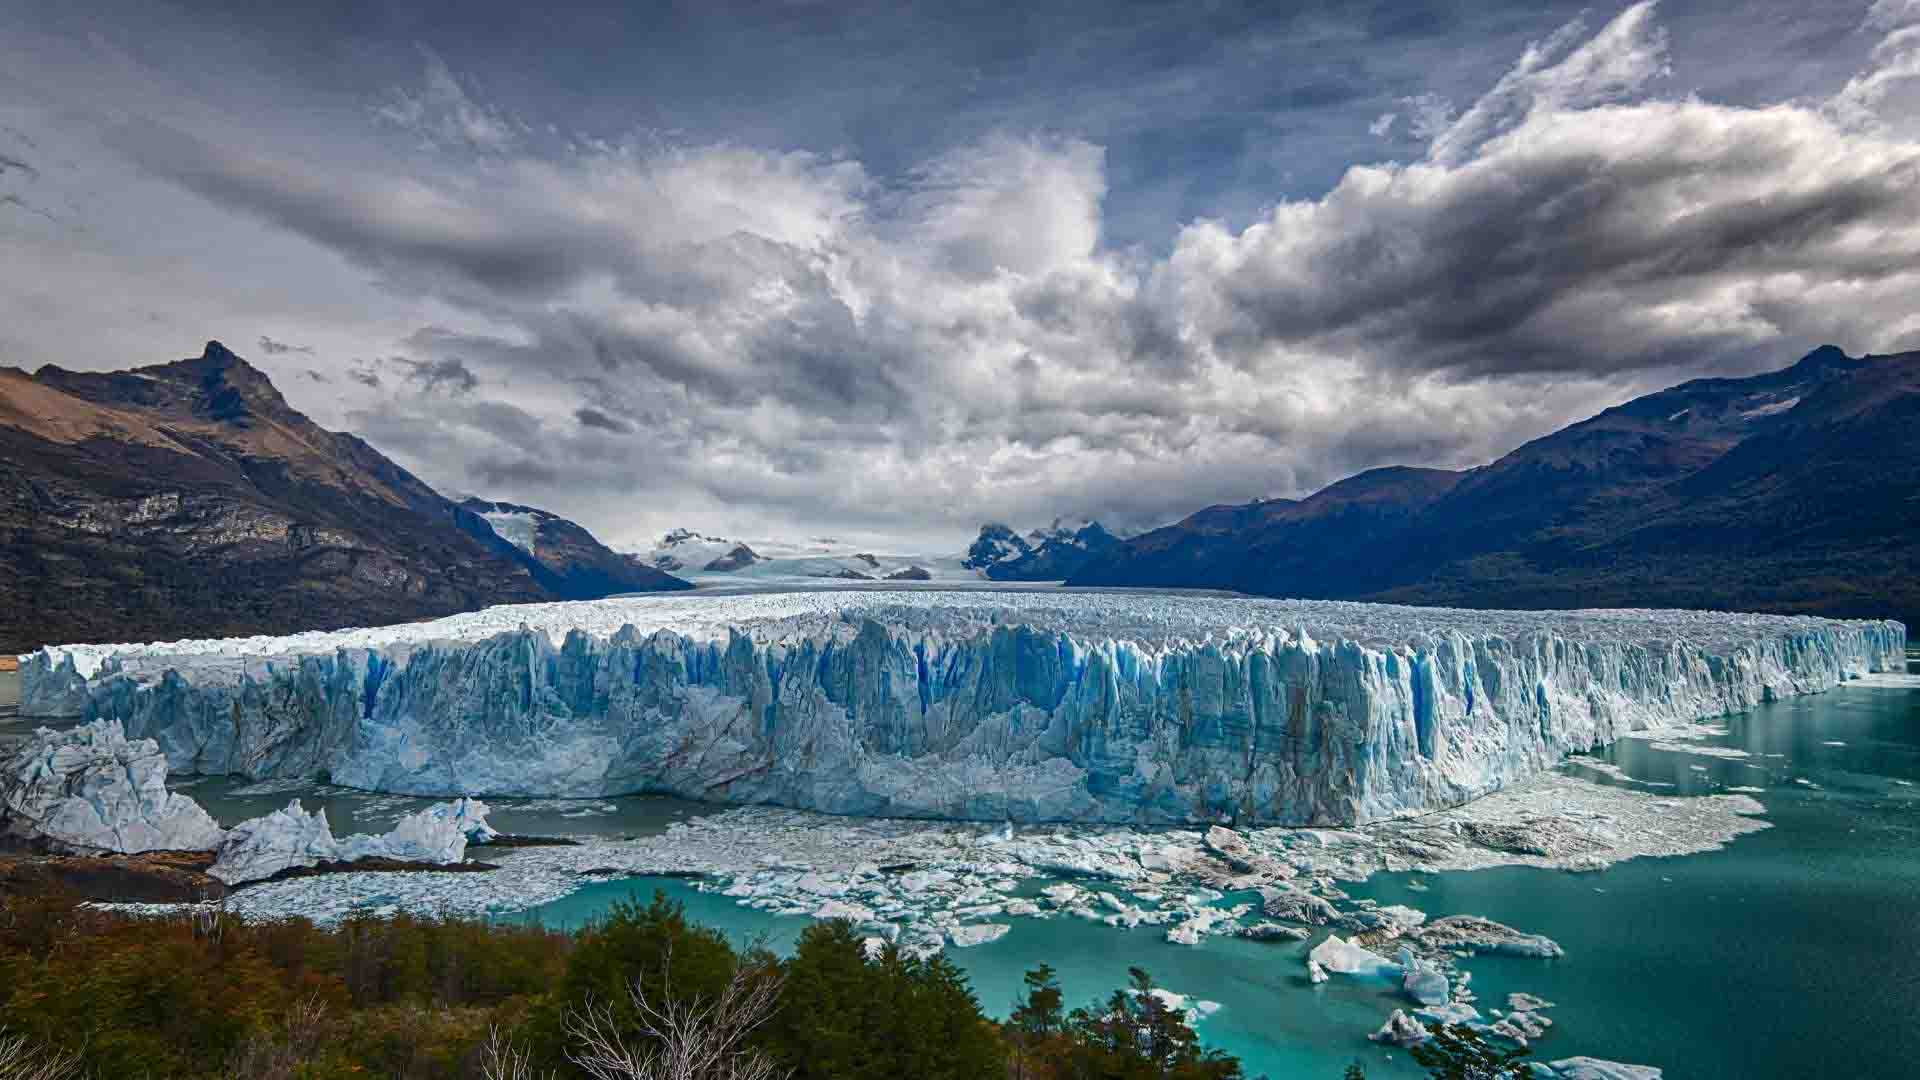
(684,1040)
(500,1059)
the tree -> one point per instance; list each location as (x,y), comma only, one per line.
(1459,1053)
(1037,1018)
(624,960)
(1039,1013)
(846,1015)
(1354,1072)
(680,1038)
(1136,1035)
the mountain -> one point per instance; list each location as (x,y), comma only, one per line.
(1792,491)
(563,557)
(190,500)
(714,561)
(684,549)
(1051,554)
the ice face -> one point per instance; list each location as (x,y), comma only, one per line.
(999,706)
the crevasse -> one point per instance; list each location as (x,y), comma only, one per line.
(1025,707)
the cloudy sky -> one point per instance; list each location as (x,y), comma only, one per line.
(886,271)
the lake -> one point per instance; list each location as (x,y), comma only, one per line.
(1795,952)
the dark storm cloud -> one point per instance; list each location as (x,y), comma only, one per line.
(897,269)
(281,348)
(594,418)
(446,373)
(400,228)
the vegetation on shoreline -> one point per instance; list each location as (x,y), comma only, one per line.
(209,997)
(641,994)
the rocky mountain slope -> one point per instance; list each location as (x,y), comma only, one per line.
(189,499)
(563,557)
(1793,491)
(1051,554)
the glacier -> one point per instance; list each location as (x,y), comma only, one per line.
(1021,706)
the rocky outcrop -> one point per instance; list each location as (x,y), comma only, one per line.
(1020,706)
(153,878)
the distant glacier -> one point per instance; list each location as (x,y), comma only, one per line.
(1057,706)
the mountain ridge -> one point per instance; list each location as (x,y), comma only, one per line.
(188,498)
(1790,491)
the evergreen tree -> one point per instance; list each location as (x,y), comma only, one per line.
(671,958)
(1038,1017)
(1040,1012)
(847,1016)
(1136,1036)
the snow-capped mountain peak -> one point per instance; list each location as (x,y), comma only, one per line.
(1046,554)
(686,550)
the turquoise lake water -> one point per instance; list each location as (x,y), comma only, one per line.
(1793,953)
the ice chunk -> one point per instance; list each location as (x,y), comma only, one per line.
(1342,957)
(1423,980)
(1586,1068)
(291,837)
(977,934)
(91,789)
(1475,934)
(261,847)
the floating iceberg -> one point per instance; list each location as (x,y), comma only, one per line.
(290,838)
(1025,706)
(90,789)
(1342,957)
(1586,1068)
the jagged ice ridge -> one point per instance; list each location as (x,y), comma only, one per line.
(994,706)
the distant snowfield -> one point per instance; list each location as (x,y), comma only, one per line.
(817,570)
(515,529)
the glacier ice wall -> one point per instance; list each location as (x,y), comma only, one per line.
(1022,706)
